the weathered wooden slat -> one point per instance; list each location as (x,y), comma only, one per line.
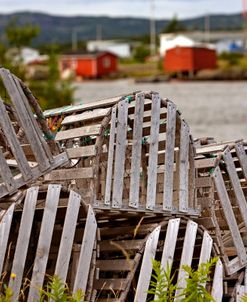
(229,215)
(206,248)
(66,243)
(66,174)
(23,240)
(193,200)
(59,160)
(35,126)
(153,153)
(184,168)
(136,152)
(240,198)
(5,225)
(85,116)
(44,242)
(108,185)
(78,132)
(146,267)
(187,254)
(120,154)
(170,243)
(127,245)
(240,292)
(242,157)
(11,137)
(203,163)
(26,122)
(86,252)
(217,288)
(82,107)
(115,265)
(84,151)
(169,156)
(6,174)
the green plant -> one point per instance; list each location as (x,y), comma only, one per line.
(162,286)
(244,298)
(7,294)
(195,283)
(58,291)
(163,289)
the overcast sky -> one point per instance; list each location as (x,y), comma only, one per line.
(139,8)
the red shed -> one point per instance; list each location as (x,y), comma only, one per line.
(90,65)
(189,59)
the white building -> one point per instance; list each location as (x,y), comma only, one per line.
(121,49)
(168,41)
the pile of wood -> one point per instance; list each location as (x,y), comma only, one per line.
(93,192)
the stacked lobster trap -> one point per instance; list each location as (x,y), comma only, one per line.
(115,184)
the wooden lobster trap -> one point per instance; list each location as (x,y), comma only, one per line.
(24,152)
(138,154)
(223,192)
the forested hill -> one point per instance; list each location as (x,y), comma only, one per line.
(59,28)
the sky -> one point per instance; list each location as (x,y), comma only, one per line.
(137,8)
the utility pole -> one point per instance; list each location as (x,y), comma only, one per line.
(152,28)
(74,39)
(207,28)
(99,32)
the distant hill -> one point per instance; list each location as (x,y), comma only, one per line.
(59,28)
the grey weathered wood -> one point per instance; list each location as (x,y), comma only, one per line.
(59,160)
(240,198)
(187,254)
(73,173)
(84,151)
(229,215)
(66,243)
(44,242)
(120,154)
(153,153)
(86,252)
(242,157)
(184,168)
(5,225)
(11,137)
(35,125)
(217,288)
(23,240)
(6,174)
(136,152)
(108,185)
(78,132)
(240,292)
(147,266)
(245,280)
(169,157)
(170,243)
(206,248)
(26,121)
(87,115)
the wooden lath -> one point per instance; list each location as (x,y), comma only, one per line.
(19,114)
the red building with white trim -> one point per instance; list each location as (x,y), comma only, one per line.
(90,65)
